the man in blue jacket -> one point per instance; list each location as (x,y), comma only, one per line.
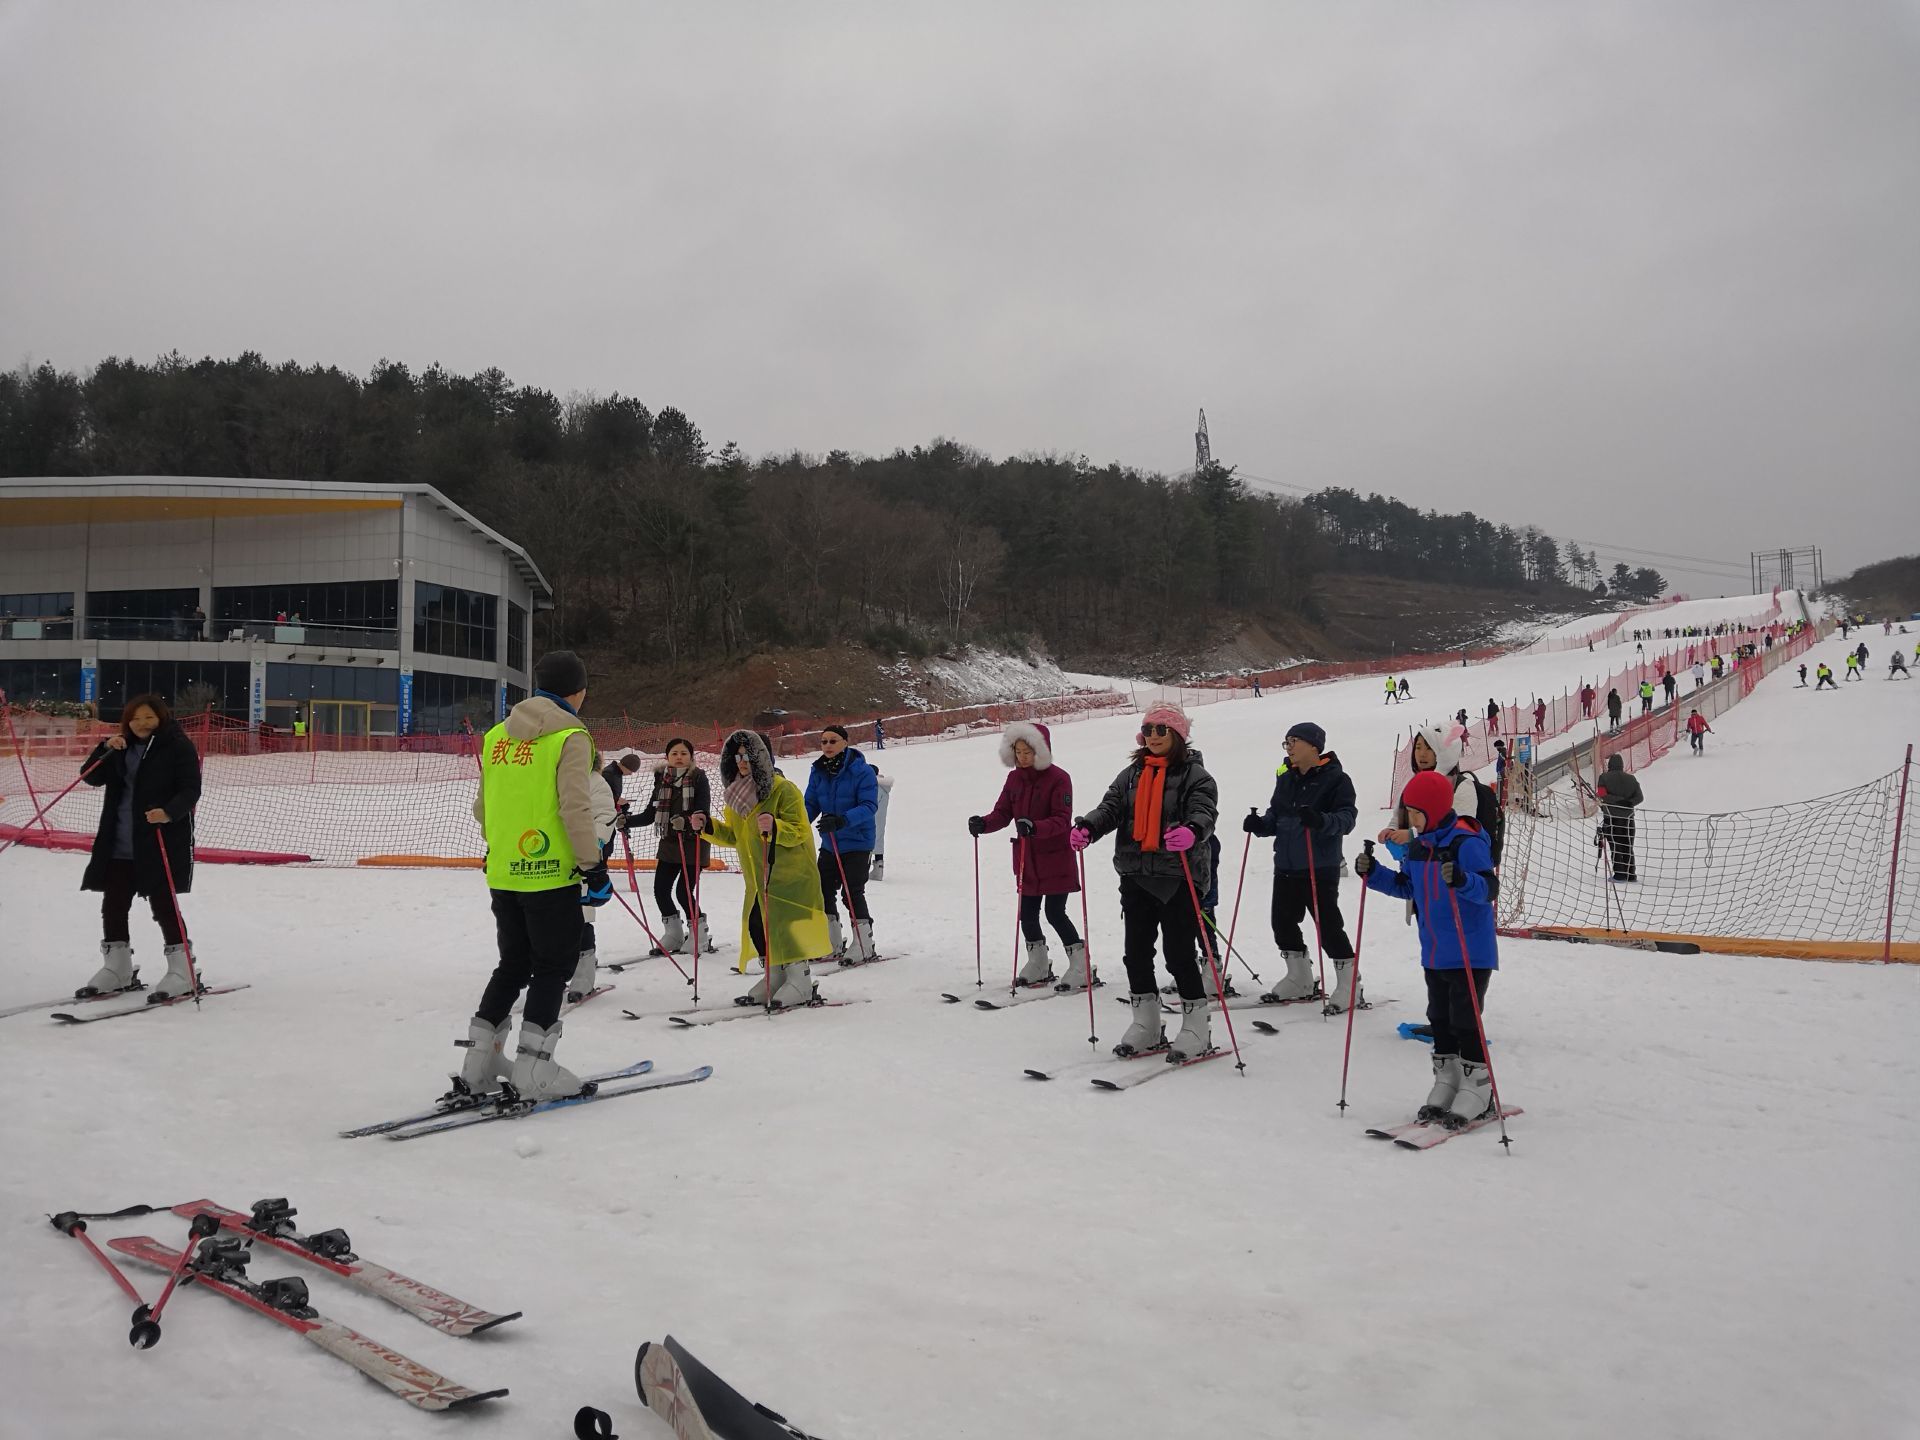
(1448,874)
(843,792)
(1313,805)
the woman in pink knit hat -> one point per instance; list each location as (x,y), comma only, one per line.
(1160,809)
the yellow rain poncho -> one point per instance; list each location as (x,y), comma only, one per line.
(796,914)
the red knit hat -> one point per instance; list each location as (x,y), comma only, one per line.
(1431,793)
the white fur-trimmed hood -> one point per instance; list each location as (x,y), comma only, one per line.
(1035,734)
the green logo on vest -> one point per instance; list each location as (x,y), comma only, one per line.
(534,862)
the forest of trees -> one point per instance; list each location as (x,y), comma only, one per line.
(657,541)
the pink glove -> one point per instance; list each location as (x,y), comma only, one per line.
(766,824)
(1178,838)
(697,820)
(1079,838)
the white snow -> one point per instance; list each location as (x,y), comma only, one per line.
(871,1221)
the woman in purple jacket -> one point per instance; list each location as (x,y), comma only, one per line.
(1037,801)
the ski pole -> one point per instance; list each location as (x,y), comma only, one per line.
(1479,1024)
(641,920)
(1086,943)
(1233,952)
(633,882)
(853,921)
(693,903)
(41,813)
(69,1223)
(203,1226)
(1233,925)
(173,895)
(1319,946)
(1019,875)
(1353,999)
(979,979)
(766,920)
(1206,942)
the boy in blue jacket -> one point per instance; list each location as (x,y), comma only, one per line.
(1448,854)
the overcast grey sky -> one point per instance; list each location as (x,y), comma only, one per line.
(1641,272)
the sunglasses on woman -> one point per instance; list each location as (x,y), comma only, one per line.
(1156,730)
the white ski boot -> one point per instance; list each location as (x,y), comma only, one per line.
(793,986)
(583,973)
(535,1074)
(1196,1031)
(1343,996)
(879,871)
(1297,983)
(486,1064)
(177,981)
(863,950)
(756,996)
(1076,976)
(700,938)
(1039,967)
(1473,1100)
(673,936)
(115,973)
(836,937)
(1446,1084)
(1146,1032)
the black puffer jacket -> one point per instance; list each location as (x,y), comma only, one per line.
(168,778)
(1325,787)
(1191,798)
(1619,791)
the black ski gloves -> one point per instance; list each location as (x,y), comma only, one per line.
(599,885)
(1308,817)
(1024,826)
(976,826)
(830,823)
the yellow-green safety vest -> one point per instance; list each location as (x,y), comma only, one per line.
(527,845)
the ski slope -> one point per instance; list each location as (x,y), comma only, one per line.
(870,1220)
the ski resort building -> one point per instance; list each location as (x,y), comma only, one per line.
(345,610)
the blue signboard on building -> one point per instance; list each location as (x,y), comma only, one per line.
(406,702)
(89,680)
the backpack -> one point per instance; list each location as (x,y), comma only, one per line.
(1488,815)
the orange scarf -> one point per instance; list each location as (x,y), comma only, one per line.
(1150,790)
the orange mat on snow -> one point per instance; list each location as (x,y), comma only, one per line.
(74,840)
(468,862)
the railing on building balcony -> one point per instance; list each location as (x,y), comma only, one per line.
(272,632)
(44,627)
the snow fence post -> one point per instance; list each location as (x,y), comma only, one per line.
(1899,823)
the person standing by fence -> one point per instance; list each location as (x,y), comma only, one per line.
(1619,794)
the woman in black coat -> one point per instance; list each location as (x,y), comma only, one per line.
(151,774)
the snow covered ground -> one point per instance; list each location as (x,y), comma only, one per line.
(869,1219)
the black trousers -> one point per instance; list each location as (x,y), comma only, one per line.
(1450,1012)
(538,932)
(669,881)
(117,904)
(1150,920)
(858,864)
(1293,896)
(1056,917)
(1619,833)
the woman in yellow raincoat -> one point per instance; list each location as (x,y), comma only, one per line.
(765,814)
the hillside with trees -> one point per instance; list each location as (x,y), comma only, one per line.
(671,551)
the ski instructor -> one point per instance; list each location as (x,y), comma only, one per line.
(536,809)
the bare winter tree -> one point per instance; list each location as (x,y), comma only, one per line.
(969,556)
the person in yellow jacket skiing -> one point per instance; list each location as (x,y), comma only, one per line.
(536,808)
(765,816)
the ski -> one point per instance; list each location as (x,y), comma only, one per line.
(72,1000)
(450,1104)
(1131,1078)
(696,1404)
(150,1004)
(220,1267)
(520,1109)
(594,994)
(270,1223)
(715,1016)
(1429,1136)
(1108,1059)
(1029,996)
(850,963)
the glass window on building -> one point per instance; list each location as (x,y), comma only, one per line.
(26,680)
(372,606)
(450,621)
(47,615)
(442,702)
(144,615)
(516,639)
(345,700)
(188,686)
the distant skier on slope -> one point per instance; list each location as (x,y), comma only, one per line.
(1614,705)
(1697,731)
(1160,809)
(1823,677)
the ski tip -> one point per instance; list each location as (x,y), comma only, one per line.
(489,1324)
(1037,1075)
(475,1397)
(1266,1029)
(677,1022)
(1105,1085)
(950,999)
